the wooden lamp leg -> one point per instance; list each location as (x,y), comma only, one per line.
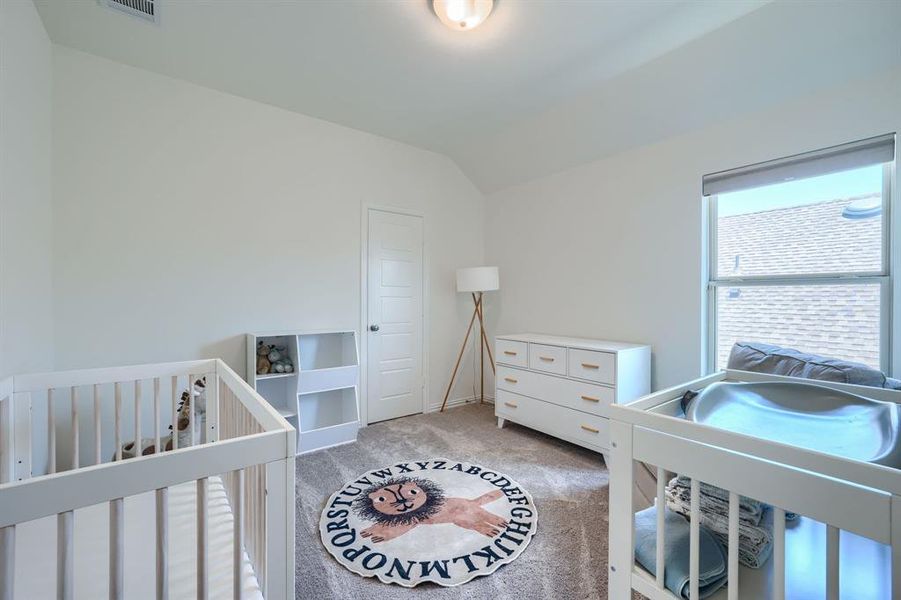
(485,339)
(450,385)
(478,302)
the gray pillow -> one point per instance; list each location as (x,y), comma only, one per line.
(776,360)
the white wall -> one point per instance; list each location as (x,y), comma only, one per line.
(185,217)
(612,249)
(26,329)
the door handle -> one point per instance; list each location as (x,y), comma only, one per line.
(373,328)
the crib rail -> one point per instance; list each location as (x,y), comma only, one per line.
(243,439)
(845,495)
(245,488)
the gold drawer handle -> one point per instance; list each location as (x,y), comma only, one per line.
(547,358)
(510,404)
(590,399)
(510,380)
(590,366)
(509,352)
(591,429)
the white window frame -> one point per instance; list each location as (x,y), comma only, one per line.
(883,277)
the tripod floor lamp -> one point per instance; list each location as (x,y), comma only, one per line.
(476,281)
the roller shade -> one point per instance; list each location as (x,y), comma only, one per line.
(872,151)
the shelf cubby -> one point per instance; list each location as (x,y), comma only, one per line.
(327,361)
(280,393)
(327,418)
(286,342)
(327,350)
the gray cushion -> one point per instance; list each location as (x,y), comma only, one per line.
(776,360)
(892,383)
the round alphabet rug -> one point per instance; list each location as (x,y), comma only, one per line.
(432,520)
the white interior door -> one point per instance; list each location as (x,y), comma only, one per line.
(394,282)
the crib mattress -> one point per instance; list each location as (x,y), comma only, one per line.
(36,549)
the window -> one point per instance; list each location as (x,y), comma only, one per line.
(799,254)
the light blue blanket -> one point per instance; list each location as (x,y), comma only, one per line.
(712,571)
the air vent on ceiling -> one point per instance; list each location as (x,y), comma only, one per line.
(143,9)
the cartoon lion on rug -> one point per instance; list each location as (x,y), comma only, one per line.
(400,504)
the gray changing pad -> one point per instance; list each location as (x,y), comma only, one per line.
(804,415)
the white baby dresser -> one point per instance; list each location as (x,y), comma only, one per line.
(563,386)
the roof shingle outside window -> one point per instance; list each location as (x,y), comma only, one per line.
(840,321)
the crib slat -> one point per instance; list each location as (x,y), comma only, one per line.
(7,448)
(98,437)
(137,430)
(896,543)
(212,408)
(7,561)
(238,534)
(260,510)
(65,574)
(75,458)
(175,412)
(162,544)
(778,554)
(118,394)
(156,415)
(694,545)
(116,549)
(661,525)
(733,547)
(51,433)
(22,405)
(202,540)
(832,562)
(192,410)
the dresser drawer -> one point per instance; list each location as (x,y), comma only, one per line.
(521,409)
(580,395)
(551,359)
(515,380)
(575,426)
(512,353)
(589,429)
(587,397)
(592,365)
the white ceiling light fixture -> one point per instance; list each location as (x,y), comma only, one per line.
(462,15)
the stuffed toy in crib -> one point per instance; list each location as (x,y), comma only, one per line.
(184,431)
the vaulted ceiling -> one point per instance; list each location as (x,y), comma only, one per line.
(539,87)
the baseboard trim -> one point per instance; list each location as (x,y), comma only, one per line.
(460,402)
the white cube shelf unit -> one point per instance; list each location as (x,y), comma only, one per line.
(319,398)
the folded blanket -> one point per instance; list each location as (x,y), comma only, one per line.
(755,544)
(712,572)
(749,509)
(717,499)
(755,529)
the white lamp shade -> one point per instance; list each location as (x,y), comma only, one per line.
(478,279)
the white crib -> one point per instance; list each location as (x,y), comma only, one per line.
(215,519)
(846,545)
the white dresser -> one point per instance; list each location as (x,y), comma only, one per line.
(563,386)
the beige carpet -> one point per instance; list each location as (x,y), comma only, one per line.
(566,559)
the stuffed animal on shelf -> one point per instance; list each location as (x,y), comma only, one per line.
(264,365)
(279,360)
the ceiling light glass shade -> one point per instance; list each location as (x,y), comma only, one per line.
(462,14)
